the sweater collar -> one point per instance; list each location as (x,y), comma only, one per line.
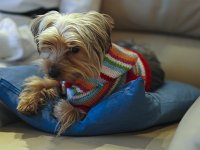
(117,62)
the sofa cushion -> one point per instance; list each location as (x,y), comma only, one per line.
(187,136)
(171,16)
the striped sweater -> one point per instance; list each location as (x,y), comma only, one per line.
(119,67)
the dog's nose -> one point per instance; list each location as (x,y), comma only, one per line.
(53,72)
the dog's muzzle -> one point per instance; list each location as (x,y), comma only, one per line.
(54,72)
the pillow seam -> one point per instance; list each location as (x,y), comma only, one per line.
(9,86)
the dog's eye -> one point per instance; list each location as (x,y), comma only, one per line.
(75,49)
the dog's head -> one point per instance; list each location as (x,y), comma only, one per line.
(72,45)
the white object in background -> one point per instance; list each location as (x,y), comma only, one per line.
(27,5)
(78,6)
(15,42)
(187,136)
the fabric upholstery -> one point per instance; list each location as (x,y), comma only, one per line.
(171,16)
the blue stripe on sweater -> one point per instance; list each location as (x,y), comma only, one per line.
(115,68)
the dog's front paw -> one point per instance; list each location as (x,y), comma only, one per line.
(66,115)
(28,103)
(34,83)
(30,97)
(26,107)
(36,91)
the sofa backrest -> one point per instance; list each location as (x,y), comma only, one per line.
(169,16)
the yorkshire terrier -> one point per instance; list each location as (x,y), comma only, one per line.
(82,65)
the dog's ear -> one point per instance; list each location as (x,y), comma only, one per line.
(41,22)
(109,22)
(102,25)
(105,20)
(109,25)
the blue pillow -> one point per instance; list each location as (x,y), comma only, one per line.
(6,116)
(129,109)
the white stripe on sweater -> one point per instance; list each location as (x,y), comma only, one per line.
(141,66)
(109,72)
(118,62)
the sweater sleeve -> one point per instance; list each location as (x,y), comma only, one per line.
(78,96)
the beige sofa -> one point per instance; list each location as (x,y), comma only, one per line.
(171,28)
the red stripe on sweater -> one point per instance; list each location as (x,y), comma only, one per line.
(105,77)
(132,61)
(130,76)
(148,73)
(82,107)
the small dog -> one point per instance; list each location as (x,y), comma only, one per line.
(82,65)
